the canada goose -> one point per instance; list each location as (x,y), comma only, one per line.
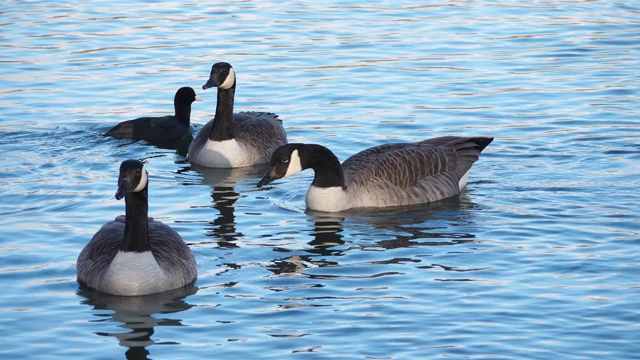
(385,175)
(135,255)
(234,140)
(160,129)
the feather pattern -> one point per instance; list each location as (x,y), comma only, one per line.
(235,139)
(174,258)
(135,254)
(410,173)
(257,134)
(386,175)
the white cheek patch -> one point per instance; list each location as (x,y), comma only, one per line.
(294,164)
(228,82)
(143,180)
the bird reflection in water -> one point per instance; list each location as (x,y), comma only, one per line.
(327,241)
(447,222)
(139,314)
(224,198)
(442,223)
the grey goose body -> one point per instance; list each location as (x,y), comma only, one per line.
(160,129)
(386,175)
(134,254)
(232,140)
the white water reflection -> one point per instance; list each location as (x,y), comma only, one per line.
(535,259)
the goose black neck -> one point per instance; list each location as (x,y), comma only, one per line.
(183,113)
(325,164)
(223,122)
(136,228)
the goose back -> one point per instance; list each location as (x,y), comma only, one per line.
(134,254)
(234,139)
(411,173)
(172,255)
(256,135)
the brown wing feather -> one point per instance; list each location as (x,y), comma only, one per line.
(262,128)
(96,257)
(264,131)
(170,251)
(405,173)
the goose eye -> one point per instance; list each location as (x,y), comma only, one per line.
(285,160)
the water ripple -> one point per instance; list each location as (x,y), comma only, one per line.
(534,260)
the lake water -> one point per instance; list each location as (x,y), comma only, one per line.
(537,259)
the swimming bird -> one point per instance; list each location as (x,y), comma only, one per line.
(160,129)
(234,140)
(135,255)
(386,175)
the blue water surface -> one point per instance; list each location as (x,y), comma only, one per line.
(536,259)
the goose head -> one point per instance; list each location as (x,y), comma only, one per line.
(133,178)
(222,76)
(285,161)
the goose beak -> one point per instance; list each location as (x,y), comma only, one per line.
(209,84)
(123,189)
(198,98)
(267,178)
